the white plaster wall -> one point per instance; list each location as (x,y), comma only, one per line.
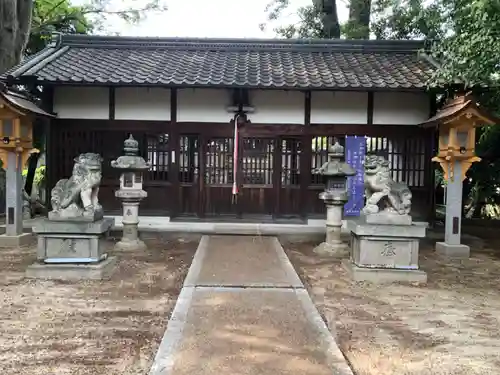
(81,102)
(277,107)
(400,108)
(203,105)
(142,103)
(339,107)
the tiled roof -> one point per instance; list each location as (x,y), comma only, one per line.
(291,64)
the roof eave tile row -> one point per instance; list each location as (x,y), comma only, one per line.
(221,63)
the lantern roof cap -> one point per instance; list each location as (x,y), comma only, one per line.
(336,149)
(457,106)
(21,102)
(131,161)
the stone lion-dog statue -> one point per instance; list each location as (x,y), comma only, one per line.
(77,197)
(381,191)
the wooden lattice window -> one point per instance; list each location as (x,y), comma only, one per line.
(188,158)
(290,161)
(406,157)
(257,163)
(219,161)
(415,162)
(158,155)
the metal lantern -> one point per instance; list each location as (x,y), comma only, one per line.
(457,122)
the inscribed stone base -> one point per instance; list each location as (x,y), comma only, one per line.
(130,245)
(452,251)
(71,242)
(383,275)
(385,248)
(338,250)
(72,272)
(16,241)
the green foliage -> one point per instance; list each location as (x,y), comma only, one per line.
(471,53)
(409,19)
(55,15)
(313,22)
(309,26)
(39,175)
(61,16)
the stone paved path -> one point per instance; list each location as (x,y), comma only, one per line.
(243,310)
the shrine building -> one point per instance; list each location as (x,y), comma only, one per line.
(180,99)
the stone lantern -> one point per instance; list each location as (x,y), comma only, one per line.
(132,166)
(335,172)
(457,122)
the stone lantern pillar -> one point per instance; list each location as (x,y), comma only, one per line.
(132,166)
(335,173)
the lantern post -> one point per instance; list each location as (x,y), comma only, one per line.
(17,114)
(456,123)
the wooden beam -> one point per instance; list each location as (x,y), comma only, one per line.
(369,108)
(112,103)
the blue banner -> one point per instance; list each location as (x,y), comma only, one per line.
(355,149)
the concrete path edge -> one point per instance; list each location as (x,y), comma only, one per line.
(196,264)
(287,265)
(332,351)
(164,358)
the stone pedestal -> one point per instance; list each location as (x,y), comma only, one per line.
(130,201)
(451,246)
(14,235)
(333,246)
(385,252)
(71,250)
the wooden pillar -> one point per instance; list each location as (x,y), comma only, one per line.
(276,177)
(430,181)
(239,173)
(431,150)
(202,160)
(49,132)
(305,157)
(369,109)
(112,100)
(174,155)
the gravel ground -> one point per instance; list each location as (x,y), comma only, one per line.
(449,326)
(92,327)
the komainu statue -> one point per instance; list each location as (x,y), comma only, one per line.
(77,197)
(381,191)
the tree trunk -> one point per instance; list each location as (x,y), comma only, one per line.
(15,22)
(331,20)
(358,26)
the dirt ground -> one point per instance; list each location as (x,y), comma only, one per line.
(92,327)
(449,326)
